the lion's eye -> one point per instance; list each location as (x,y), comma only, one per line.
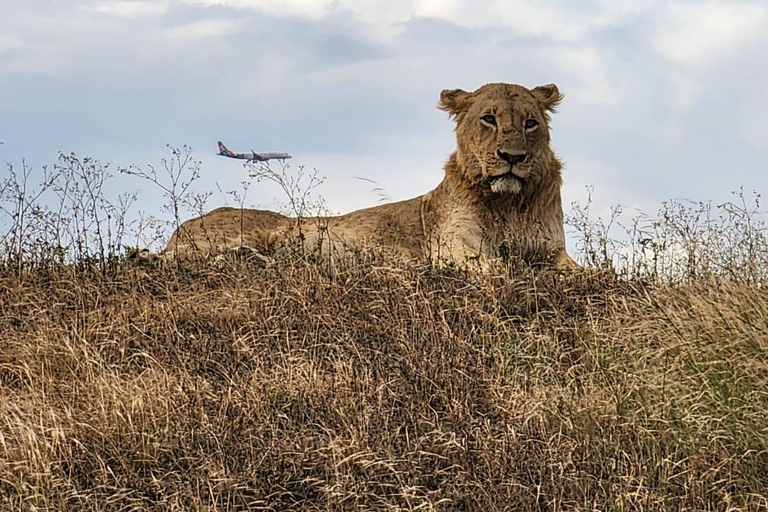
(489,119)
(531,124)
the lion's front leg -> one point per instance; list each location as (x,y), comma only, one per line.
(460,244)
(564,262)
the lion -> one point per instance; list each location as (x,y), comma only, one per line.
(500,195)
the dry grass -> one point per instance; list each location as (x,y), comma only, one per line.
(379,388)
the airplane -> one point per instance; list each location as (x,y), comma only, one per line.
(252,156)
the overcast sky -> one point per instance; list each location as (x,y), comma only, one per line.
(662,99)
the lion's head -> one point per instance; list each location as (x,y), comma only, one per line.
(503,135)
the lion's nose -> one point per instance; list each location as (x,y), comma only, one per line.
(512,157)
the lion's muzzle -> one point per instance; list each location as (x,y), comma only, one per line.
(512,157)
(510,181)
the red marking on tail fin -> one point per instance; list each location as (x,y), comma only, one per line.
(223,149)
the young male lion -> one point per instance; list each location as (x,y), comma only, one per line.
(500,194)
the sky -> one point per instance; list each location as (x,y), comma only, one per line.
(663,99)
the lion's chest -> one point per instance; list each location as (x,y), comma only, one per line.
(520,235)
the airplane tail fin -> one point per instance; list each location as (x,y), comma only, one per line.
(223,150)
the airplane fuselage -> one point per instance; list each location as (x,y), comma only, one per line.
(252,156)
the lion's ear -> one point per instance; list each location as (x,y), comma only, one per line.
(454,101)
(548,95)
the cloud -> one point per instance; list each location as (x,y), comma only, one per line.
(123,9)
(699,35)
(306,9)
(204,29)
(549,20)
(588,64)
(552,20)
(10,42)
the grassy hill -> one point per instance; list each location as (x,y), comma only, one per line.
(379,387)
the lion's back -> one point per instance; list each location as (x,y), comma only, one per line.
(397,226)
(227,228)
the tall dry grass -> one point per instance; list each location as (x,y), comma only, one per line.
(376,386)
